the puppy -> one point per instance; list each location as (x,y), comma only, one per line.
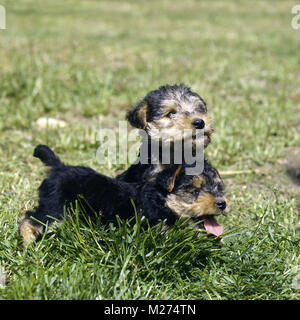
(199,198)
(67,185)
(172,194)
(168,115)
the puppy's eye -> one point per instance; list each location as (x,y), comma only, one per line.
(171,114)
(195,193)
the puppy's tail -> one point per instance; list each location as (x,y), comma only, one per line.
(47,156)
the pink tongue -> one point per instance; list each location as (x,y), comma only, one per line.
(211,225)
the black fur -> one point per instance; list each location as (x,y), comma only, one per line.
(98,194)
(152,103)
(66,184)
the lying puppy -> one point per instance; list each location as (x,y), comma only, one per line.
(199,198)
(167,197)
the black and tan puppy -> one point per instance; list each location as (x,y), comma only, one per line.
(65,185)
(199,198)
(167,115)
(170,195)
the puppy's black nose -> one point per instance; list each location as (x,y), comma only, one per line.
(198,124)
(221,204)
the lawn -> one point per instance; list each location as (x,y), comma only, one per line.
(85,63)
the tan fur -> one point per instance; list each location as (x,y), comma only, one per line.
(228,205)
(185,103)
(198,181)
(178,127)
(142,115)
(28,231)
(173,178)
(203,206)
(169,105)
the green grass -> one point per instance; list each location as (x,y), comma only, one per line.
(86,62)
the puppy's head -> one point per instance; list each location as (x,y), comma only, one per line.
(171,112)
(200,198)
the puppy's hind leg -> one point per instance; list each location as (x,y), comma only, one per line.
(29,229)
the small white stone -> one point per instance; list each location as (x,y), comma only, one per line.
(50,123)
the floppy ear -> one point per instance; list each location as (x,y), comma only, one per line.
(138,116)
(166,178)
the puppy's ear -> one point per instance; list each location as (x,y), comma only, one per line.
(166,178)
(138,116)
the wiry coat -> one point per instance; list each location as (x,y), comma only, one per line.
(163,113)
(68,187)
